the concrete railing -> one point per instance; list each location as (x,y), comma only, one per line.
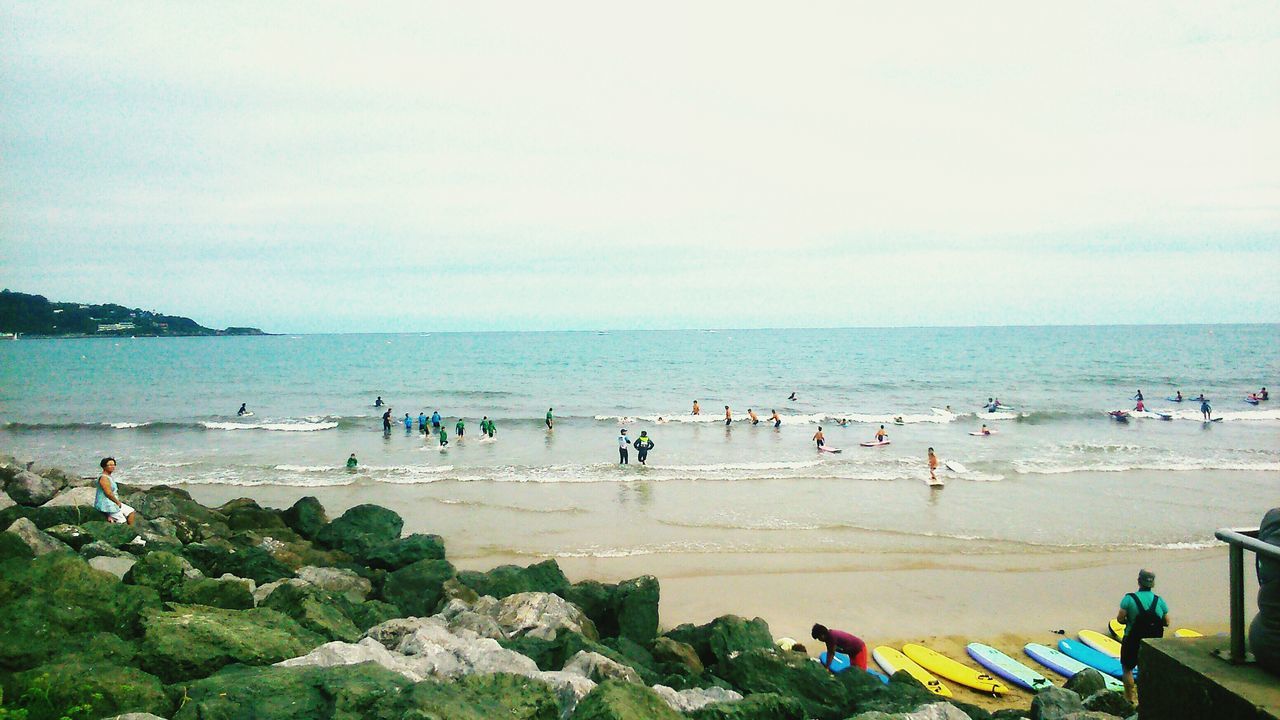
(1239,541)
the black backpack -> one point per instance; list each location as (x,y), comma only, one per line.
(1147,624)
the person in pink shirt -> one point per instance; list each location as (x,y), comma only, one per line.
(841,641)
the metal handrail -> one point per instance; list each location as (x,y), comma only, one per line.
(1238,541)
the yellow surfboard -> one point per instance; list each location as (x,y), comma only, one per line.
(954,671)
(1187,632)
(1117,628)
(1100,642)
(891,661)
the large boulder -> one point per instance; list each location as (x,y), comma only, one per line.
(226,594)
(337,653)
(306,517)
(504,580)
(620,700)
(254,518)
(417,589)
(405,551)
(636,604)
(40,542)
(1086,682)
(599,668)
(673,652)
(50,604)
(315,609)
(117,535)
(105,685)
(337,580)
(723,637)
(1110,702)
(192,641)
(162,571)
(286,693)
(540,615)
(763,706)
(695,698)
(361,529)
(1055,703)
(477,697)
(30,489)
(14,546)
(118,566)
(822,694)
(195,522)
(436,651)
(6,502)
(72,535)
(74,496)
(247,562)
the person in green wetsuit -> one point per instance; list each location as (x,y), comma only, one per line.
(490,429)
(444,436)
(352,462)
(460,428)
(550,420)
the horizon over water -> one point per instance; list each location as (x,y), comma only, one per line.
(1059,474)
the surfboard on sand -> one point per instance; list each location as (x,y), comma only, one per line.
(1007,668)
(944,666)
(1087,655)
(891,661)
(1064,665)
(874,443)
(838,664)
(1099,642)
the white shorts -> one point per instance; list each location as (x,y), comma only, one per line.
(122,516)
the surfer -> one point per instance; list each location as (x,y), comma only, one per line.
(818,438)
(1138,396)
(1178,397)
(1263,395)
(881,434)
(933,467)
(378,402)
(793,395)
(728,416)
(1205,410)
(985,430)
(899,421)
(1145,615)
(752,414)
(992,404)
(352,462)
(696,410)
(841,641)
(386,422)
(493,430)
(550,419)
(107,500)
(243,410)
(623,444)
(1140,407)
(777,421)
(643,445)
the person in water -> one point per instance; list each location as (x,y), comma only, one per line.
(992,404)
(985,430)
(444,437)
(841,641)
(728,416)
(460,428)
(107,500)
(1205,410)
(550,419)
(490,430)
(933,466)
(408,423)
(777,421)
(842,422)
(623,443)
(818,438)
(643,445)
(1178,397)
(752,414)
(881,434)
(696,410)
(378,402)
(1138,396)
(352,462)
(243,410)
(386,421)
(422,422)
(1263,395)
(435,421)
(793,395)
(1140,407)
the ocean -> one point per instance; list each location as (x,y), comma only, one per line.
(1058,474)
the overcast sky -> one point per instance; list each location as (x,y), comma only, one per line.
(473,165)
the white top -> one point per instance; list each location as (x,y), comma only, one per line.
(623,441)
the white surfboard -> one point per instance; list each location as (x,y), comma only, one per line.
(955,467)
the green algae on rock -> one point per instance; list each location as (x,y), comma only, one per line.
(192,641)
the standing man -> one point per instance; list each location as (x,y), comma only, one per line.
(491,429)
(696,410)
(643,445)
(777,421)
(408,423)
(386,422)
(623,444)
(728,416)
(933,467)
(435,421)
(460,428)
(1205,410)
(422,422)
(841,641)
(1145,615)
(550,419)
(752,414)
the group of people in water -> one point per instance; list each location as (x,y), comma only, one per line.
(1206,410)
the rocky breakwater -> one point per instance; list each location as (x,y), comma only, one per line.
(241,611)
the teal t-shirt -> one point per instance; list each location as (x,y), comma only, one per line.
(1145,596)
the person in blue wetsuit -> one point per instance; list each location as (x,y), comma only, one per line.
(1205,409)
(408,423)
(435,421)
(422,422)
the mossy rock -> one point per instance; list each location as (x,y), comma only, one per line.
(192,641)
(116,535)
(247,562)
(372,612)
(284,693)
(361,529)
(475,697)
(161,571)
(505,580)
(619,700)
(764,706)
(405,551)
(72,535)
(722,637)
(418,588)
(636,605)
(306,517)
(553,654)
(225,594)
(47,517)
(792,675)
(319,611)
(673,652)
(12,547)
(51,603)
(105,686)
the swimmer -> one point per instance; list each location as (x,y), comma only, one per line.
(752,414)
(793,395)
(352,462)
(243,410)
(1178,397)
(818,438)
(933,466)
(728,416)
(842,422)
(777,421)
(881,434)
(696,410)
(378,402)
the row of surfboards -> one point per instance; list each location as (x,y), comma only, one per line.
(1093,650)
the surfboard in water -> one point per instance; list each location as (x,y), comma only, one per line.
(955,467)
(874,443)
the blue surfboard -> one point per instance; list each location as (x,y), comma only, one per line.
(1094,659)
(839,665)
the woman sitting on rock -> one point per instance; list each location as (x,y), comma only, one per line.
(107,501)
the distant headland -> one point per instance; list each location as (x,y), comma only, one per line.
(23,315)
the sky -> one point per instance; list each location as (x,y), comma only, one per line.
(316,167)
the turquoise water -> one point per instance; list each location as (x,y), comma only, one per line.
(166,409)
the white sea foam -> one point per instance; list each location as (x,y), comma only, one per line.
(1027,467)
(127,425)
(277,427)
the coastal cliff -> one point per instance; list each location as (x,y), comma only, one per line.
(35,315)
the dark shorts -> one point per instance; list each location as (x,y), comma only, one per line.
(821,443)
(1129,651)
(728,421)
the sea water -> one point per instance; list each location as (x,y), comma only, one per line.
(1058,473)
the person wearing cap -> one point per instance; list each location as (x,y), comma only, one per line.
(841,641)
(623,444)
(1264,631)
(1145,615)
